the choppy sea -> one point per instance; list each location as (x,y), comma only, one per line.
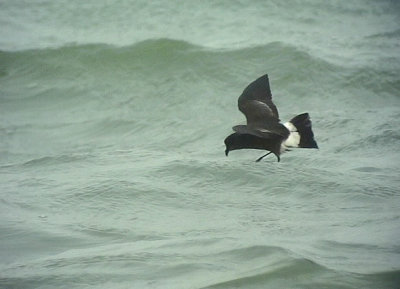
(112,164)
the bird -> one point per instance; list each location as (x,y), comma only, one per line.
(263,129)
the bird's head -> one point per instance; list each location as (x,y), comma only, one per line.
(227,149)
(231,143)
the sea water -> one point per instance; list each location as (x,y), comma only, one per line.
(112,164)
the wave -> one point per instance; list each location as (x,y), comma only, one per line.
(164,60)
(388,139)
(394,34)
(55,160)
(305,274)
(248,267)
(149,54)
(281,269)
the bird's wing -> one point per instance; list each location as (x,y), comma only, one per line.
(256,103)
(261,113)
(263,133)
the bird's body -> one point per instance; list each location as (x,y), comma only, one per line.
(263,129)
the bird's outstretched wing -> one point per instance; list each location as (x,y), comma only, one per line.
(256,102)
(261,113)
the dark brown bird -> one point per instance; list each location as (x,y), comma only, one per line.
(263,129)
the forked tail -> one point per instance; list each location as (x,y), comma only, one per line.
(302,125)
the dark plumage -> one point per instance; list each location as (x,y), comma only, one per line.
(263,129)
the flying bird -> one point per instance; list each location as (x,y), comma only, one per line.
(263,130)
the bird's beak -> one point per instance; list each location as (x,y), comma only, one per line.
(226,152)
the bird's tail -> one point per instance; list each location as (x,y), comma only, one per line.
(301,134)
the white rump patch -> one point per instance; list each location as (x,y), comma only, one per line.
(290,126)
(294,137)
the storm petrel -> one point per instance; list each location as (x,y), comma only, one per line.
(263,129)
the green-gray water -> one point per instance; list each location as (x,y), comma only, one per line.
(112,165)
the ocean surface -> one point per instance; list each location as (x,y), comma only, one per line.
(112,164)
